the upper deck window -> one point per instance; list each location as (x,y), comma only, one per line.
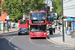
(38,16)
(23,22)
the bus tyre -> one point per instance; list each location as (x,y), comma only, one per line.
(19,34)
(31,38)
(27,32)
(44,37)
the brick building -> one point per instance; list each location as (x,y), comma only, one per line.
(2,16)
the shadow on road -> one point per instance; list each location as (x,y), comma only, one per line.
(9,34)
(4,45)
(38,38)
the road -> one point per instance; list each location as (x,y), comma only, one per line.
(13,41)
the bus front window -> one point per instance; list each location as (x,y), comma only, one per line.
(23,22)
(38,16)
(38,28)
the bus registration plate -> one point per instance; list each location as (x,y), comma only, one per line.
(38,36)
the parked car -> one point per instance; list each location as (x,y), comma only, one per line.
(23,30)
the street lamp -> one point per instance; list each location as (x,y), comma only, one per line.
(7,17)
(63,24)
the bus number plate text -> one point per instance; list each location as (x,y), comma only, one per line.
(38,36)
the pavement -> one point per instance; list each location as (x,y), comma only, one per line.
(58,39)
(10,30)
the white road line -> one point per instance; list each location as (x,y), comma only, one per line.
(10,43)
(15,48)
(32,42)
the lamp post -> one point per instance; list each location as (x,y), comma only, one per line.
(7,17)
(63,24)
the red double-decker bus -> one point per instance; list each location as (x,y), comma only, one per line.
(23,23)
(37,21)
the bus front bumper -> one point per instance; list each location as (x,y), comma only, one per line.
(33,35)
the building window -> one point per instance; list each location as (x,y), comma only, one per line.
(0,3)
(0,12)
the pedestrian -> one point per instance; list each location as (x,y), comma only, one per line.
(68,31)
(50,31)
(69,27)
(53,27)
(58,28)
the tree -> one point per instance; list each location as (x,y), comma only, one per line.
(58,7)
(16,8)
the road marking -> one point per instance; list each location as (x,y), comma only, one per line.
(43,45)
(36,44)
(32,42)
(15,48)
(56,46)
(10,43)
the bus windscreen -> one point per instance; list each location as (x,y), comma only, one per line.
(23,22)
(38,28)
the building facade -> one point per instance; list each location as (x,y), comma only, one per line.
(69,12)
(2,15)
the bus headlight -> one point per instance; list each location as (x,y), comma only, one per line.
(44,33)
(30,33)
(34,18)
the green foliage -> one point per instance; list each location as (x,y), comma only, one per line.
(37,5)
(16,8)
(58,7)
(62,17)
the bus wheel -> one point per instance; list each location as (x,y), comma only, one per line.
(44,37)
(31,38)
(19,34)
(27,33)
